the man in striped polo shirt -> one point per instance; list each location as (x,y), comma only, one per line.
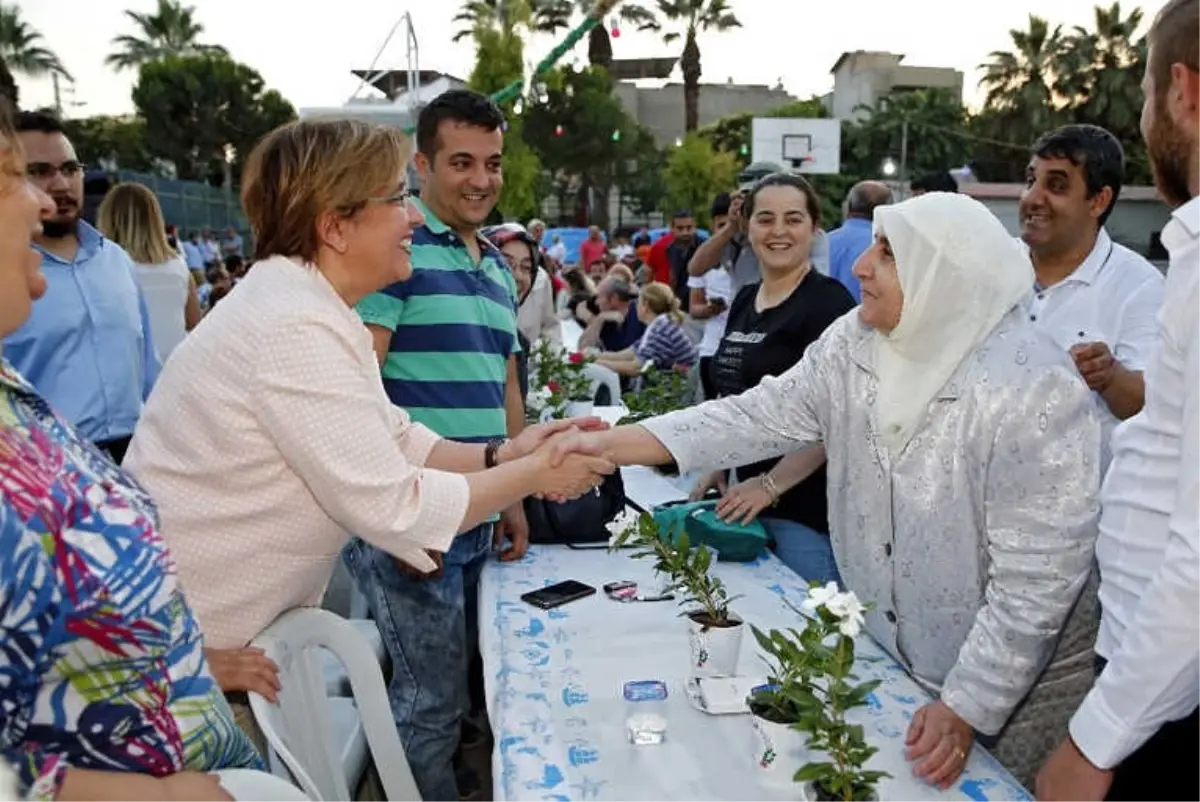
(446,340)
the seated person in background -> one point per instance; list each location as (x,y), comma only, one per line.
(664,343)
(236,267)
(579,290)
(271,439)
(643,274)
(933,182)
(623,272)
(535,294)
(597,269)
(616,325)
(219,285)
(106,693)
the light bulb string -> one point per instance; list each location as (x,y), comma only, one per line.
(513,90)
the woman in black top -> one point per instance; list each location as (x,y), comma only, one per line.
(770,325)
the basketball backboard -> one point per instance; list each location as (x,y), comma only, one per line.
(801,144)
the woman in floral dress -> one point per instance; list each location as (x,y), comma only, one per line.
(104,690)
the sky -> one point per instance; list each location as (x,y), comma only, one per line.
(306,50)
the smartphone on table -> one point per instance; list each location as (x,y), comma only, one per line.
(558,594)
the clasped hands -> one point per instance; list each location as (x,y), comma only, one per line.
(570,459)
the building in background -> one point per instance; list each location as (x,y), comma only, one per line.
(864,77)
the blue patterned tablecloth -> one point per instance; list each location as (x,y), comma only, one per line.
(555,679)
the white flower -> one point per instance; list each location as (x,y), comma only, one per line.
(849,609)
(820,597)
(537,399)
(850,627)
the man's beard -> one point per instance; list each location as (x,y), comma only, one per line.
(59,227)
(1169,151)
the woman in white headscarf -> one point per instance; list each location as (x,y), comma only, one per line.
(963,476)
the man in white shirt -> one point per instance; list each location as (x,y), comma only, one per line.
(1098,299)
(1136,734)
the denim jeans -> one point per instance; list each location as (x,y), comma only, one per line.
(430,629)
(803,549)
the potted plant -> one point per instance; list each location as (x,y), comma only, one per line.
(714,631)
(819,688)
(779,748)
(560,387)
(661,392)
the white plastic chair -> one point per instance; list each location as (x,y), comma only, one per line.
(601,376)
(323,743)
(336,682)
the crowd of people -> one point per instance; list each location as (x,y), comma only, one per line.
(992,440)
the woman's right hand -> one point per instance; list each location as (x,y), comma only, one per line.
(247,669)
(707,482)
(193,786)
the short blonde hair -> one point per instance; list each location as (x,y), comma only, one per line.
(622,272)
(303,169)
(660,299)
(130,216)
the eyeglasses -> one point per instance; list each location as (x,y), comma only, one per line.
(400,198)
(44,171)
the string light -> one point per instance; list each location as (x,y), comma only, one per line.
(616,135)
(744,150)
(558,130)
(616,30)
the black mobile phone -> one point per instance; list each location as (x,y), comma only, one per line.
(558,594)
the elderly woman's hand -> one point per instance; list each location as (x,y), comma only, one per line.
(247,669)
(532,438)
(938,743)
(743,502)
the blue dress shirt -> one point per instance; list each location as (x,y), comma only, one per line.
(87,347)
(846,244)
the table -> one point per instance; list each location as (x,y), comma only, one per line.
(554,681)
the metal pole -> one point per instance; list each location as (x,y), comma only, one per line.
(57,94)
(904,151)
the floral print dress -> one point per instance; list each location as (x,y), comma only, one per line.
(101,665)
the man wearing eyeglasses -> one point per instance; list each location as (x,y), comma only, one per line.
(87,346)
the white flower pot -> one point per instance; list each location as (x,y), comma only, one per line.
(715,650)
(579,409)
(808,793)
(779,751)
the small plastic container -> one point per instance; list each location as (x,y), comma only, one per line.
(646,712)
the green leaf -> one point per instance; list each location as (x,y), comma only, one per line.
(811,772)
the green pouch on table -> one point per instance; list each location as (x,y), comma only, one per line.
(733,542)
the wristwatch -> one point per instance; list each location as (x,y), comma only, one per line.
(491,452)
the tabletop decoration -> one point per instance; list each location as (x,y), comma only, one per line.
(662,391)
(813,686)
(714,630)
(562,387)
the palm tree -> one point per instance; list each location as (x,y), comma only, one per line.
(506,17)
(21,47)
(551,15)
(169,31)
(1024,79)
(693,17)
(1102,70)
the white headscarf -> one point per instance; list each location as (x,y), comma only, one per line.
(961,272)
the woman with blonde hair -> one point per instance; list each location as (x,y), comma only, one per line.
(664,343)
(130,216)
(269,438)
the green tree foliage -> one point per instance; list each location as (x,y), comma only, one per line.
(21,46)
(103,138)
(685,20)
(496,27)
(170,31)
(695,174)
(585,137)
(198,109)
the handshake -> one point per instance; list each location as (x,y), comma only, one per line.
(566,457)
